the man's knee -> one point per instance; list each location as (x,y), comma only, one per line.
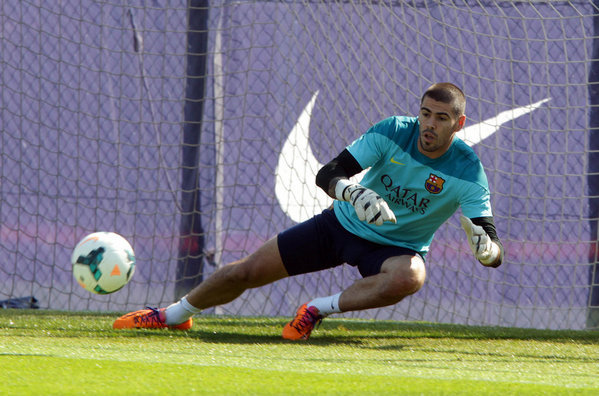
(405,276)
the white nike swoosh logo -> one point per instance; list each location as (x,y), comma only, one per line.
(476,133)
(295,188)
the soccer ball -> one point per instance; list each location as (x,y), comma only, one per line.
(103,262)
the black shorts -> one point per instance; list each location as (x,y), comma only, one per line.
(322,242)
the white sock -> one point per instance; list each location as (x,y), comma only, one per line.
(179,312)
(326,305)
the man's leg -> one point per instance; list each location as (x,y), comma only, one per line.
(399,277)
(227,283)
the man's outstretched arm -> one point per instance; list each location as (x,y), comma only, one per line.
(483,240)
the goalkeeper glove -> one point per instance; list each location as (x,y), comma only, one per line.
(369,206)
(484,249)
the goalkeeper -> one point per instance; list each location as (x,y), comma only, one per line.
(420,173)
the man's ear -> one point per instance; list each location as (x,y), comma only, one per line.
(461,121)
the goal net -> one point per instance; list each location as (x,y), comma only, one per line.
(195,129)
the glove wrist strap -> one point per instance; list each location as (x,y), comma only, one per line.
(340,189)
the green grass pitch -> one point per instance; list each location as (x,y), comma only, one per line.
(60,353)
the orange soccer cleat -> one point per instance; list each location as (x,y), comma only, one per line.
(302,325)
(149,318)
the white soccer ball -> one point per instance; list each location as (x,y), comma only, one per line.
(103,262)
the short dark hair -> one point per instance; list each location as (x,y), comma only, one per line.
(447,93)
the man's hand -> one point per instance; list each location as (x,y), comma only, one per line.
(369,206)
(485,250)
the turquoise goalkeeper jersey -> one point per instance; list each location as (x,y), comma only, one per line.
(422,192)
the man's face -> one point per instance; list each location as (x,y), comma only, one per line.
(438,125)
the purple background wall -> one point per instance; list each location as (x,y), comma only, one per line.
(92,112)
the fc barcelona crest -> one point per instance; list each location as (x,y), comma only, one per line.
(434,184)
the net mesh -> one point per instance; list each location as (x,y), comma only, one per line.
(93,98)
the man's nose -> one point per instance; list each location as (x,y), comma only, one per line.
(430,124)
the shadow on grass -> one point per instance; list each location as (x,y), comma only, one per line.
(241,337)
(361,328)
(253,330)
